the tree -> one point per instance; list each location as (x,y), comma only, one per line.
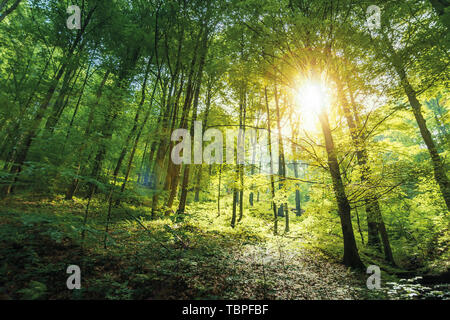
(9,9)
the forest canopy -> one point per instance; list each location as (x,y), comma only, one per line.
(149,132)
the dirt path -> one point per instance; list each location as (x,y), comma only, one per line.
(276,273)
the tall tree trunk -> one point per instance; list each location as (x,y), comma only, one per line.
(252,167)
(107,130)
(294,129)
(138,136)
(173,170)
(233,213)
(77,106)
(375,221)
(298,207)
(184,185)
(351,256)
(158,166)
(75,182)
(283,209)
(132,132)
(272,183)
(438,165)
(218,189)
(373,200)
(361,154)
(57,107)
(242,116)
(205,123)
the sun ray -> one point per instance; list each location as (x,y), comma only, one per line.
(311,99)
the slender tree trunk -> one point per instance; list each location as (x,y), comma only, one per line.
(136,141)
(375,221)
(233,213)
(272,183)
(359,226)
(173,170)
(252,168)
(184,186)
(283,209)
(158,166)
(218,189)
(58,106)
(205,123)
(75,111)
(143,164)
(438,165)
(132,132)
(75,182)
(351,256)
(243,107)
(298,207)
(361,154)
(107,128)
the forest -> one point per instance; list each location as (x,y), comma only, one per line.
(224,149)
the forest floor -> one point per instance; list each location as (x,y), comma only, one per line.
(200,257)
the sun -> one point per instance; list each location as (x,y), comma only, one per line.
(313,96)
(311,99)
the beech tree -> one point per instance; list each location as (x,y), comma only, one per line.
(342,121)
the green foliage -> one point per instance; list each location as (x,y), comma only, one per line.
(86,118)
(36,290)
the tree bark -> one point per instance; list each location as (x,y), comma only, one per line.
(75,182)
(438,165)
(283,209)
(351,256)
(272,183)
(185,182)
(298,207)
